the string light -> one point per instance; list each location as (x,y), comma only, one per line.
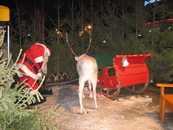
(80,33)
(87,28)
(104,41)
(58,32)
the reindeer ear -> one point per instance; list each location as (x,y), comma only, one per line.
(76,58)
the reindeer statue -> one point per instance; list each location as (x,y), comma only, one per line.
(87,70)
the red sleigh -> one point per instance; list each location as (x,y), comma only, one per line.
(133,75)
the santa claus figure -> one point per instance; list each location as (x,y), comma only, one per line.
(33,65)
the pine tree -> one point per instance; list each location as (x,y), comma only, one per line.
(14,114)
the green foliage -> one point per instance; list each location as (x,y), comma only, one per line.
(14,114)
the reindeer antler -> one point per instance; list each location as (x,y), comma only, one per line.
(90,40)
(89,45)
(69,45)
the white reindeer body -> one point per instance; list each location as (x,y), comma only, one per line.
(87,70)
(86,66)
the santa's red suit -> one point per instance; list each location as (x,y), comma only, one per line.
(31,64)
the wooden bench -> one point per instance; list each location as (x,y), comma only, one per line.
(166,100)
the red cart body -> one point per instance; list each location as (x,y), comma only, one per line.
(136,72)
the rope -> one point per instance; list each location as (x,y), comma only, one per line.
(61,83)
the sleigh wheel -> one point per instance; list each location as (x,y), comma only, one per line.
(110,93)
(138,89)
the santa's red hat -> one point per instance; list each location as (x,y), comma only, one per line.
(47,50)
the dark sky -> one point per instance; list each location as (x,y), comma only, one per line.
(49,5)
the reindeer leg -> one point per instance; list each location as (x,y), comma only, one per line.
(94,95)
(90,89)
(80,92)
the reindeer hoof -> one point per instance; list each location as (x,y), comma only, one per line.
(91,98)
(83,97)
(83,112)
(96,107)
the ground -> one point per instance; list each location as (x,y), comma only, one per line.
(129,112)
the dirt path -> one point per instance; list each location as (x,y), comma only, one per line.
(130,112)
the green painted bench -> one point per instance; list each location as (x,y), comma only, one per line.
(105,61)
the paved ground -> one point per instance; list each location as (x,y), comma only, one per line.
(130,112)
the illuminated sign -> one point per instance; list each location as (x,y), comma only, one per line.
(150,1)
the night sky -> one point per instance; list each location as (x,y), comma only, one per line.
(49,5)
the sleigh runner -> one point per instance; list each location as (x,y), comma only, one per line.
(129,71)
